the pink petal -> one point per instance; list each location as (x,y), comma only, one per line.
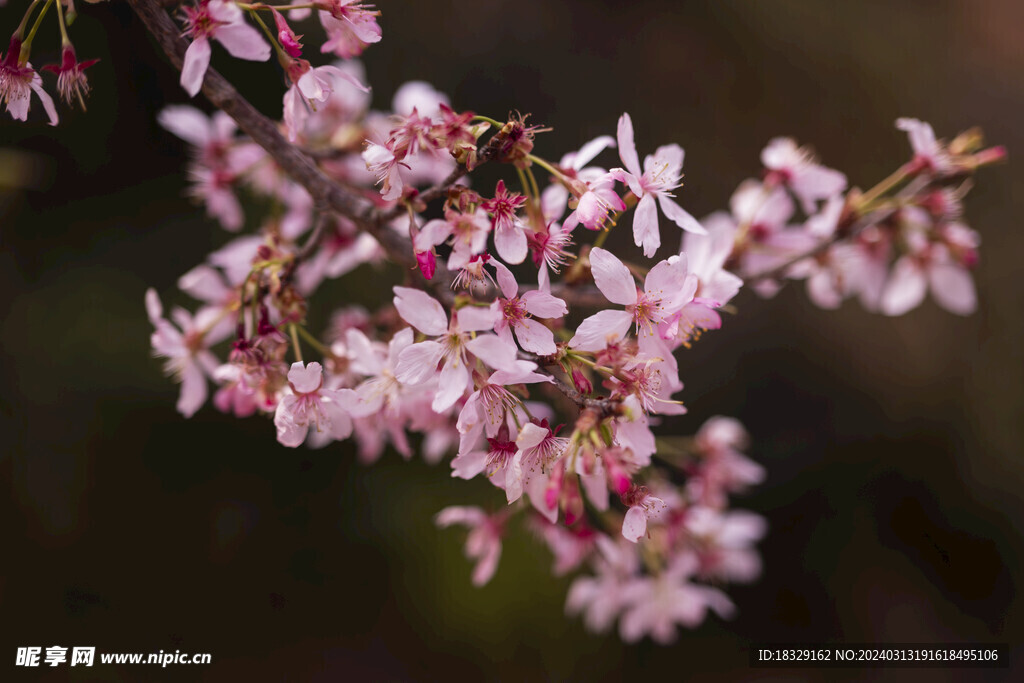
(544,305)
(506,281)
(535,337)
(197,59)
(612,277)
(193,389)
(627,146)
(452,385)
(680,216)
(307,379)
(953,288)
(905,288)
(645,226)
(493,351)
(593,333)
(634,525)
(477,318)
(510,242)
(421,311)
(418,363)
(243,41)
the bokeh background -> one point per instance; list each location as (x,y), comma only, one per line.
(893,446)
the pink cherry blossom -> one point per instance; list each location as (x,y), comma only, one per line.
(929,154)
(309,405)
(667,288)
(350,26)
(653,605)
(595,199)
(509,235)
(929,266)
(18,80)
(484,541)
(795,168)
(310,86)
(724,543)
(492,404)
(222,21)
(601,598)
(186,349)
(514,311)
(537,449)
(418,363)
(642,507)
(660,176)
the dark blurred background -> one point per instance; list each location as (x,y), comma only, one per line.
(893,446)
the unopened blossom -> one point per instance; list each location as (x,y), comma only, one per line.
(18,80)
(309,405)
(222,21)
(642,507)
(514,311)
(796,168)
(484,541)
(667,288)
(286,36)
(661,174)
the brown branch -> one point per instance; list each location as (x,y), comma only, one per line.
(265,133)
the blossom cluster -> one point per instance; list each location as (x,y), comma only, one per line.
(514,345)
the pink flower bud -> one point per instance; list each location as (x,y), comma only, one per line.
(572,501)
(427,262)
(581,382)
(289,41)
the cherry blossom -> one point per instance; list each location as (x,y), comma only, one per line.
(796,168)
(484,541)
(308,404)
(18,80)
(667,288)
(222,21)
(642,508)
(418,362)
(186,349)
(654,605)
(660,176)
(513,313)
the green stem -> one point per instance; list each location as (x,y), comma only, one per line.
(26,47)
(548,167)
(64,40)
(282,56)
(894,179)
(498,124)
(20,33)
(312,341)
(295,341)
